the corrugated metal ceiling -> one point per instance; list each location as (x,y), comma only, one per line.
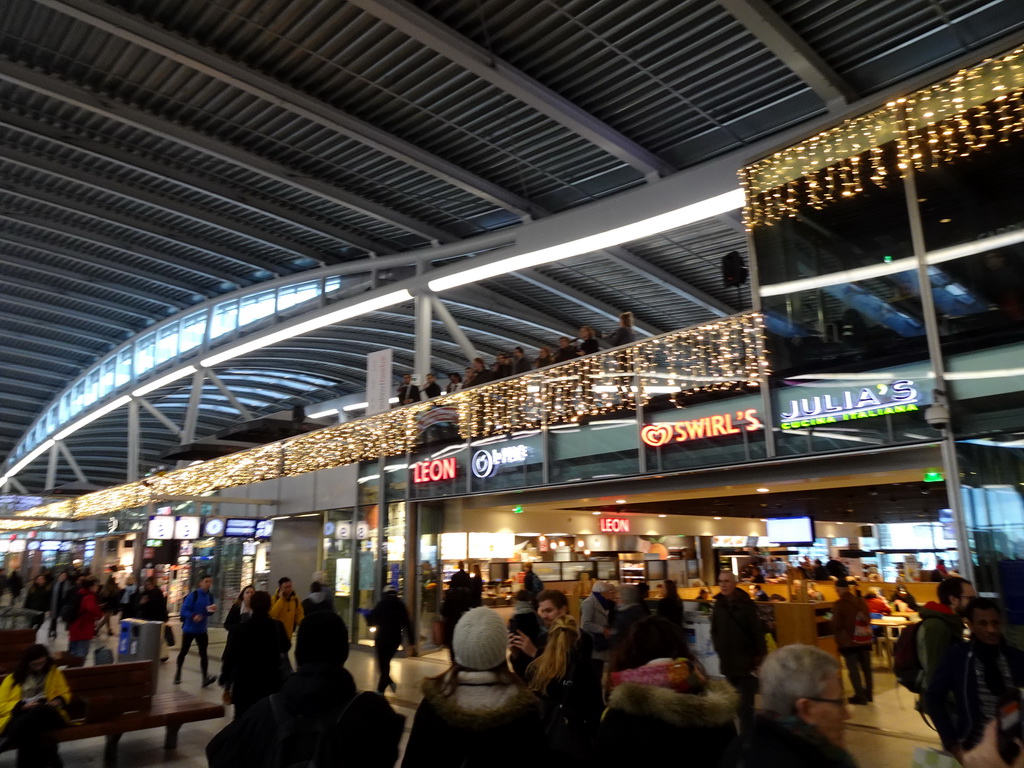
(136,181)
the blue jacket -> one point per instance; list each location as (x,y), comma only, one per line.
(195,603)
(955,680)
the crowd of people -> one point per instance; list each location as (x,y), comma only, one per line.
(515,363)
(588,691)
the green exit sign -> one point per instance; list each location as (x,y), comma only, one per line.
(933,476)
(517,510)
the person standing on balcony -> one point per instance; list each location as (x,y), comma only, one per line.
(431,388)
(520,363)
(408,392)
(624,334)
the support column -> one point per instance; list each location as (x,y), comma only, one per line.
(51,466)
(453,328)
(424,319)
(66,453)
(188,431)
(134,442)
(951,465)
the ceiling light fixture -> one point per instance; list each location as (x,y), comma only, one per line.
(680,217)
(764,490)
(620,501)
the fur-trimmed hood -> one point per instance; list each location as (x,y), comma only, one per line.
(713,707)
(481,701)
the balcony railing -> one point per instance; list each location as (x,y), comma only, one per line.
(721,355)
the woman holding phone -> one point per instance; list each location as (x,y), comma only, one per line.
(32,701)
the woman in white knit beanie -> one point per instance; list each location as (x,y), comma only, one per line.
(477,710)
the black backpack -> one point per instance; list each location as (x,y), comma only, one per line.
(71,608)
(303,741)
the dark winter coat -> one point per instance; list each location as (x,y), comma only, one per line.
(317,601)
(391,618)
(532,583)
(155,606)
(737,633)
(671,610)
(38,598)
(623,621)
(456,603)
(483,724)
(251,665)
(367,735)
(236,617)
(956,680)
(656,723)
(769,743)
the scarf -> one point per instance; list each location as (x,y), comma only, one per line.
(604,601)
(810,734)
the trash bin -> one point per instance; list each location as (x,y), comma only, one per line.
(140,641)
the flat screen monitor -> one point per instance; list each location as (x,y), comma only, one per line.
(242,527)
(791,530)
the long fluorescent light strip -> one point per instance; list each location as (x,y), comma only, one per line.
(322,414)
(98,413)
(840,278)
(688,214)
(188,370)
(387,300)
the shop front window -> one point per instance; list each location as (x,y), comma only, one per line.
(368,574)
(339,559)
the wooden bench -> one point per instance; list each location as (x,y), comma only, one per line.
(13,644)
(113,699)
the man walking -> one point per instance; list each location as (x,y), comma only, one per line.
(942,625)
(965,691)
(738,636)
(129,598)
(63,588)
(851,624)
(391,618)
(286,608)
(195,618)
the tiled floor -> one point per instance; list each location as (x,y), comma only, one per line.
(880,735)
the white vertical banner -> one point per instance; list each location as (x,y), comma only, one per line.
(378,381)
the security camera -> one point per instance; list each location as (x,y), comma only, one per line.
(937,415)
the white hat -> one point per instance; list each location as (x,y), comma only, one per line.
(480,639)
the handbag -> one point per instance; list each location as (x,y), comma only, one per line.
(168,636)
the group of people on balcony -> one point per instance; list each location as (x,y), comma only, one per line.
(505,365)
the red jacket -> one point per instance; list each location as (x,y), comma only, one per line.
(89,612)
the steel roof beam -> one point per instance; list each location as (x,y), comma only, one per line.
(491,302)
(83,208)
(74,94)
(136,30)
(78,296)
(71,313)
(427,30)
(181,208)
(70,330)
(778,37)
(576,297)
(44,358)
(33,401)
(665,279)
(207,186)
(49,272)
(94,239)
(71,348)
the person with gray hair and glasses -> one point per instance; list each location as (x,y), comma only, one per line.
(803,714)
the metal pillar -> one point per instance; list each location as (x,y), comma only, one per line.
(931,323)
(235,402)
(424,320)
(453,327)
(51,467)
(134,440)
(188,431)
(66,453)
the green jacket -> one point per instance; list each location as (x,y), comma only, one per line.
(941,630)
